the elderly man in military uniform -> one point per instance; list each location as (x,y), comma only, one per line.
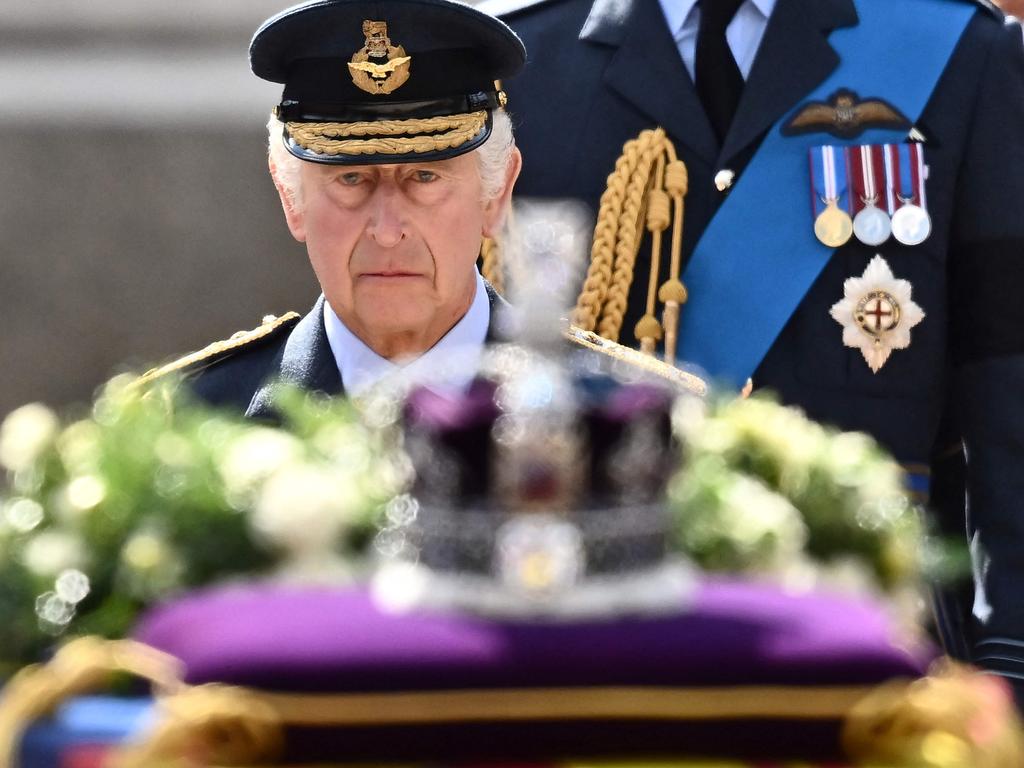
(393,158)
(854,227)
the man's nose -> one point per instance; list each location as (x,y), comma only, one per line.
(387,219)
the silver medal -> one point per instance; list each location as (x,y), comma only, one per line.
(872,225)
(911,224)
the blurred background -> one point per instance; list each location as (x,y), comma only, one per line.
(137,218)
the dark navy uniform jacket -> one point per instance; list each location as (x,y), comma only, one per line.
(601,71)
(289,349)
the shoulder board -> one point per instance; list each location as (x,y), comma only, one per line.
(682,380)
(211,353)
(506,8)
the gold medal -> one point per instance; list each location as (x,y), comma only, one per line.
(833,227)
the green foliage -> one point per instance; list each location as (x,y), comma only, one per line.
(764,489)
(153,494)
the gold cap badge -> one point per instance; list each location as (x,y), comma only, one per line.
(379,67)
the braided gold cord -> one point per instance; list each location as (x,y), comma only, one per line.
(630,234)
(602,252)
(391,137)
(673,292)
(648,330)
(644,191)
(490,264)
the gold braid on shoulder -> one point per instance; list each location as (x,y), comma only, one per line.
(645,191)
(491,265)
(271,324)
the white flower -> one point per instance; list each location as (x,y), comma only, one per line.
(257,454)
(23,515)
(877,313)
(72,586)
(688,415)
(174,449)
(50,552)
(85,492)
(151,566)
(25,434)
(754,516)
(79,446)
(54,612)
(304,508)
(146,551)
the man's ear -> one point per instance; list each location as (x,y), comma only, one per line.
(496,209)
(292,211)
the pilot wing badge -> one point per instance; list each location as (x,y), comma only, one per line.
(379,67)
(877,313)
(846,116)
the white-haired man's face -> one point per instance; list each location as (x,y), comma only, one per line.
(394,246)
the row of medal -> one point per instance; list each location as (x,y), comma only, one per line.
(873,192)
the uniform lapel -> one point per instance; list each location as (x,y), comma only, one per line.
(497,328)
(305,361)
(794,57)
(648,71)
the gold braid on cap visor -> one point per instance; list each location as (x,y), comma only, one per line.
(388,137)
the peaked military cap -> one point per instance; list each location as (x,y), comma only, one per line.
(387,81)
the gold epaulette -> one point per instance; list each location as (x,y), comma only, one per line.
(218,349)
(634,357)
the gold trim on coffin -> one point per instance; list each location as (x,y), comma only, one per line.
(388,137)
(589,703)
(934,721)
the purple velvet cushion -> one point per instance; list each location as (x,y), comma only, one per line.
(337,640)
(734,634)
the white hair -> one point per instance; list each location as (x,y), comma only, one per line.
(493,157)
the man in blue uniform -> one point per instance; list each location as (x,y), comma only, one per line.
(794,117)
(394,158)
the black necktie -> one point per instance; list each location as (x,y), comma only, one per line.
(719,82)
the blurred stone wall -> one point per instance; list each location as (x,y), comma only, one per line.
(137,219)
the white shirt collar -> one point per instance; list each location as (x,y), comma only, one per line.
(764,6)
(676,14)
(678,11)
(453,359)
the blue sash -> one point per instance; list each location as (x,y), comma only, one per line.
(758,257)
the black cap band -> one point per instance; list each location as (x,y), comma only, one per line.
(338,112)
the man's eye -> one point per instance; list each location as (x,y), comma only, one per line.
(350,179)
(425,176)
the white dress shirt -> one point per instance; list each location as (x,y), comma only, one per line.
(744,33)
(453,360)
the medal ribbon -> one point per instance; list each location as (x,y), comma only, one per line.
(828,174)
(757,258)
(920,172)
(869,192)
(904,180)
(892,177)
